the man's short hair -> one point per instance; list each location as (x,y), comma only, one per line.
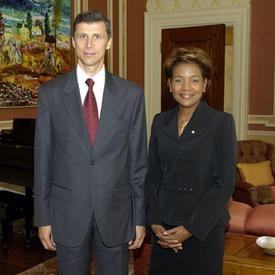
(92,17)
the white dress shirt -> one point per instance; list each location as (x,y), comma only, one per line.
(98,88)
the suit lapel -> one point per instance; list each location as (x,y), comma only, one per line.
(109,104)
(72,102)
(197,123)
(171,123)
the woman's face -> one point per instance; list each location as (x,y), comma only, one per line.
(187,85)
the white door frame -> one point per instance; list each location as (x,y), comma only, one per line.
(238,17)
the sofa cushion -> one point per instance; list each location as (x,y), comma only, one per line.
(239,212)
(264,194)
(273,192)
(261,220)
(258,173)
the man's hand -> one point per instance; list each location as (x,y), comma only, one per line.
(45,235)
(140,234)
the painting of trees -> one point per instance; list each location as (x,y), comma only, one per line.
(47,24)
(29,23)
(1,25)
(56,17)
(34,47)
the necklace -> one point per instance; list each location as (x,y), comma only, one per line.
(183,126)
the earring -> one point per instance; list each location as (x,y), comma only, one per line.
(170,91)
(204,91)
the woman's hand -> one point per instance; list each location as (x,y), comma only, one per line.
(172,238)
(179,233)
(165,239)
(158,230)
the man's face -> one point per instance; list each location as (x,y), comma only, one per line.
(90,42)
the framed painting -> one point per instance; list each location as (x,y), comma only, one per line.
(34,47)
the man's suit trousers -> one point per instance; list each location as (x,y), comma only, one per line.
(77,260)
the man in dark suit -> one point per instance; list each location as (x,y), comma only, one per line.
(90,159)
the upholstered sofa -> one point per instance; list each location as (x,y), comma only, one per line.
(245,220)
(257,221)
(252,152)
(252,205)
(248,215)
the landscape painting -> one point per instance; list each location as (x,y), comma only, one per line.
(34,47)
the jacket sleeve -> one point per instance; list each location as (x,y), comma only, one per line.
(43,162)
(153,179)
(138,157)
(214,202)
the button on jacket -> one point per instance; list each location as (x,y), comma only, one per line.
(75,181)
(191,178)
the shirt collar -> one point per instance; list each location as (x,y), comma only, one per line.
(97,78)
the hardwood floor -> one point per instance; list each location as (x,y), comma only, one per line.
(19,258)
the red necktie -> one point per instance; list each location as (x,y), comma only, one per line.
(90,111)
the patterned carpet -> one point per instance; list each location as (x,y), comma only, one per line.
(50,268)
(47,268)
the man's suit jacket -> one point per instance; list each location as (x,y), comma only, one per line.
(190,179)
(74,180)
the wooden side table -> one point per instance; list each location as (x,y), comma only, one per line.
(242,256)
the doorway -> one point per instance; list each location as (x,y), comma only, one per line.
(209,38)
(237,17)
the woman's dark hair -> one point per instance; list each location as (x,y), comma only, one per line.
(189,56)
(92,17)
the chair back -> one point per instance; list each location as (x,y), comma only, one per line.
(251,151)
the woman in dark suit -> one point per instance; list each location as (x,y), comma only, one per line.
(191,173)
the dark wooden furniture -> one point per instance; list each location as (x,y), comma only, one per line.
(16,167)
(14,206)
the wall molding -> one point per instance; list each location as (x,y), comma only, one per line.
(6,124)
(85,5)
(110,52)
(261,133)
(274,90)
(80,6)
(267,120)
(158,6)
(77,7)
(122,38)
(198,13)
